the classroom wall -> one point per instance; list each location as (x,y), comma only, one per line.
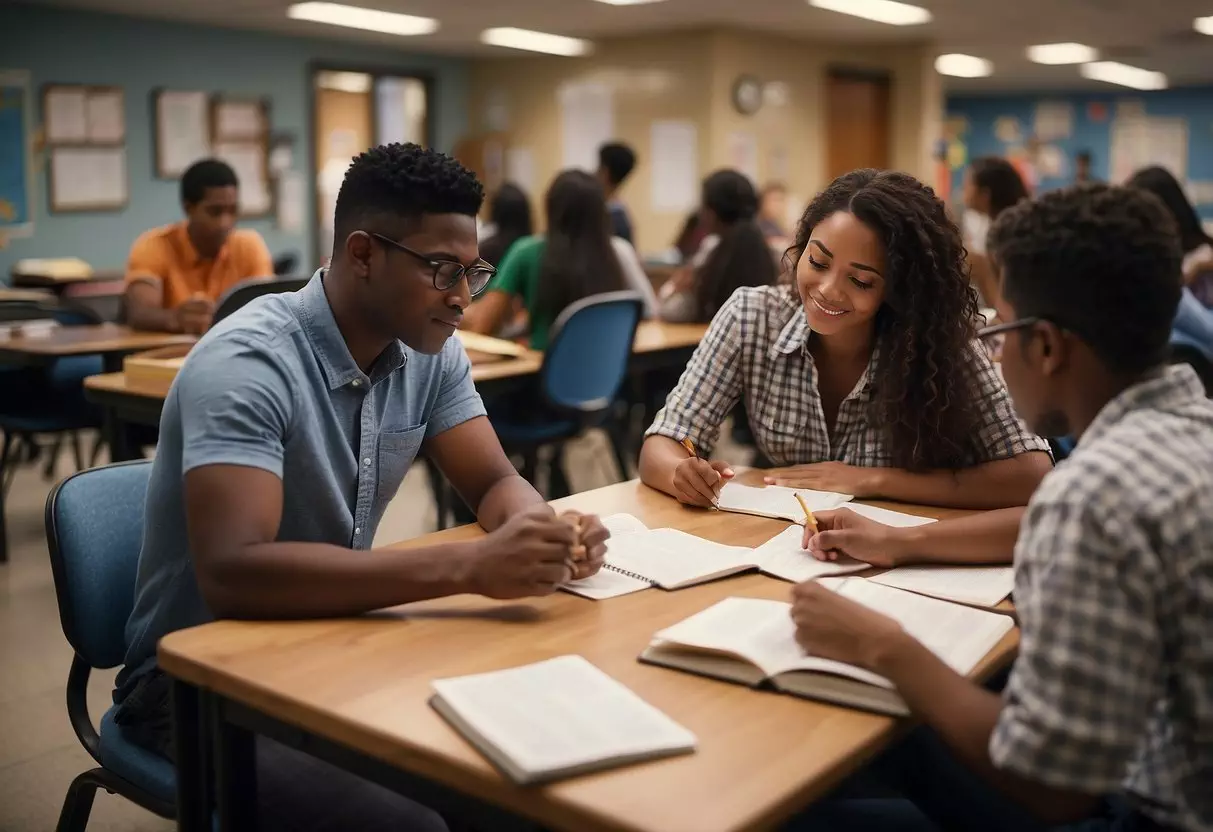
(972,122)
(690,76)
(65,46)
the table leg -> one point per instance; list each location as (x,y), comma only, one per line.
(190,750)
(235,772)
(118,437)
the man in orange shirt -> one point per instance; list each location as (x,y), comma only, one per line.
(176,273)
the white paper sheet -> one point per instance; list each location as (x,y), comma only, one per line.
(106,116)
(239,120)
(674,177)
(776,501)
(982,586)
(66,116)
(783,557)
(888,516)
(88,178)
(183,130)
(587,120)
(1140,142)
(559,714)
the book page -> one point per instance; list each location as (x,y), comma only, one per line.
(889,518)
(983,586)
(559,714)
(961,636)
(759,631)
(618,524)
(672,558)
(783,557)
(776,501)
(606,584)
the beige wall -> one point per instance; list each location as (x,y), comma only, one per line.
(691,76)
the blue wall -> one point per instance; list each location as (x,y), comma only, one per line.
(1195,104)
(64,46)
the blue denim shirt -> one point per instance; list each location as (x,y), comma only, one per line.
(275,387)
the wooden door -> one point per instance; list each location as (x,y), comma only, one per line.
(344,127)
(858,122)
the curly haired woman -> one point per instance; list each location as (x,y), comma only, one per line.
(863,375)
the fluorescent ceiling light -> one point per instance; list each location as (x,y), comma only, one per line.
(374,20)
(882,11)
(1062,53)
(355,82)
(535,41)
(1204,25)
(963,66)
(1112,72)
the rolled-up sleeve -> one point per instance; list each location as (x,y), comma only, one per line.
(236,405)
(1002,433)
(457,401)
(710,386)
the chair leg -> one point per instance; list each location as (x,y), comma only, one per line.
(558,480)
(77,450)
(4,479)
(52,457)
(95,454)
(619,446)
(78,804)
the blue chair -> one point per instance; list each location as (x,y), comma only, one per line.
(254,287)
(94,528)
(44,400)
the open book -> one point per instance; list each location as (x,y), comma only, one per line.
(673,559)
(776,502)
(752,642)
(556,718)
(980,586)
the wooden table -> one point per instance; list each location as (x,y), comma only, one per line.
(111,341)
(355,692)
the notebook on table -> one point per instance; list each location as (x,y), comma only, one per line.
(776,502)
(671,559)
(555,719)
(979,586)
(751,641)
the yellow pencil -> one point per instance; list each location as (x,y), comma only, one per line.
(809,519)
(689,445)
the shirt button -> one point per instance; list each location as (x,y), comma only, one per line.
(366,461)
(356,383)
(357,531)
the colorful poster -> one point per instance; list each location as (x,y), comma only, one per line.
(1053,120)
(1007,130)
(16,170)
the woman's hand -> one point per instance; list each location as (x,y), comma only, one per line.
(697,482)
(843,532)
(827,476)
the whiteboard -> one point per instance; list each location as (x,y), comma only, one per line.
(1141,142)
(587,121)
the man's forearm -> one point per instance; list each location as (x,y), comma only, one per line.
(508,496)
(1002,483)
(151,318)
(988,537)
(317,580)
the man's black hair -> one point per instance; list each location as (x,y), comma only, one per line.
(1101,261)
(204,174)
(396,182)
(617,160)
(1083,156)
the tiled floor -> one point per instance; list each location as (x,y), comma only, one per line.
(39,754)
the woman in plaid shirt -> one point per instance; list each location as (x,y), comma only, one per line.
(863,376)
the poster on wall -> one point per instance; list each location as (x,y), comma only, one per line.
(1053,120)
(587,120)
(1097,112)
(674,173)
(1007,130)
(16,170)
(1140,142)
(1051,162)
(743,153)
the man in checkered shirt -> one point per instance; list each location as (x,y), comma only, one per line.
(1106,722)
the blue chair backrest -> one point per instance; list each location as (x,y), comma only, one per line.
(236,297)
(586,361)
(94,528)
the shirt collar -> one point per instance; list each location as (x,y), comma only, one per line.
(340,369)
(191,253)
(794,337)
(1168,389)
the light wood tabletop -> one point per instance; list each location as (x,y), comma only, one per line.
(86,340)
(654,336)
(365,683)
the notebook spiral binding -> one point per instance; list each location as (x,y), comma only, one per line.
(635,575)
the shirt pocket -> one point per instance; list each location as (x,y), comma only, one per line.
(397,450)
(781,430)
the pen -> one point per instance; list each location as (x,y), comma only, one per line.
(809,519)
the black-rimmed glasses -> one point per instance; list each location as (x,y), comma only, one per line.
(989,332)
(447,273)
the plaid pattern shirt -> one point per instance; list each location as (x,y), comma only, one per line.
(757,348)
(1113,688)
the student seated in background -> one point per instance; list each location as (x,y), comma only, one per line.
(1196,242)
(735,252)
(510,216)
(615,164)
(863,374)
(577,257)
(991,185)
(175,274)
(288,432)
(1106,722)
(772,212)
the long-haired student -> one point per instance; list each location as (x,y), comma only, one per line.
(863,374)
(577,257)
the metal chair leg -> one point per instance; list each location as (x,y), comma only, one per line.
(619,448)
(77,450)
(4,481)
(78,804)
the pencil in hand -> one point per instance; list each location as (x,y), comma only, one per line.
(809,519)
(689,445)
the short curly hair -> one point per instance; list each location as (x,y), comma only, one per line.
(403,181)
(1102,261)
(926,392)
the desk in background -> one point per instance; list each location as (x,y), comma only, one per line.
(355,692)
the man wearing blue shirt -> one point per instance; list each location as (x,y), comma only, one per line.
(615,164)
(288,432)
